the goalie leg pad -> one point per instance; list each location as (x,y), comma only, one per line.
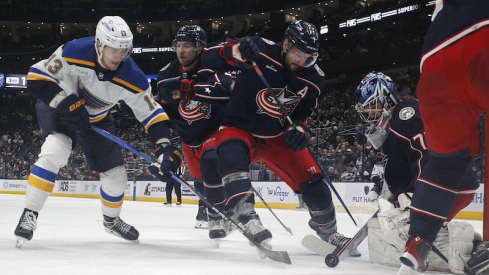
(461,236)
(113,183)
(55,152)
(379,250)
(394,223)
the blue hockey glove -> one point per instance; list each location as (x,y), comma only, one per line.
(248,49)
(176,89)
(169,159)
(76,116)
(296,139)
(374,193)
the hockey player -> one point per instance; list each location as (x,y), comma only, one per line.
(397,129)
(452,93)
(75,88)
(377,178)
(255,129)
(194,94)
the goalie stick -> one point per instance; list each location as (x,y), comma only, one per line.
(278,256)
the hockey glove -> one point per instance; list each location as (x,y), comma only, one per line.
(296,139)
(176,89)
(248,49)
(76,116)
(169,159)
(374,193)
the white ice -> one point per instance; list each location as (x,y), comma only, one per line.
(70,240)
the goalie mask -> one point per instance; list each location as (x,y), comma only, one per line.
(113,31)
(190,33)
(375,98)
(305,37)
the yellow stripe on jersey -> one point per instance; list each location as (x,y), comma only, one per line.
(111,204)
(160,118)
(40,184)
(79,61)
(39,77)
(127,84)
(99,118)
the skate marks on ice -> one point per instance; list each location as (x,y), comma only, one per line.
(70,238)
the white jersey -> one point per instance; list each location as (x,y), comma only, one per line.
(74,69)
(378,171)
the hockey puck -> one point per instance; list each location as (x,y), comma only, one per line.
(331,260)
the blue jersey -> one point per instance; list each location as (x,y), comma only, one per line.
(194,119)
(252,107)
(452,20)
(405,147)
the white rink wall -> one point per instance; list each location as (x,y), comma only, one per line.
(277,194)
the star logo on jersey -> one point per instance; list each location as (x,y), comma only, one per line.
(207,90)
(194,110)
(268,105)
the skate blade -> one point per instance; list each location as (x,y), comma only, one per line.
(20,242)
(202,225)
(217,242)
(355,253)
(119,236)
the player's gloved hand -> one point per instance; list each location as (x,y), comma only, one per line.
(169,159)
(296,138)
(75,113)
(176,89)
(374,193)
(248,49)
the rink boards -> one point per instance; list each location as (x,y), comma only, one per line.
(277,194)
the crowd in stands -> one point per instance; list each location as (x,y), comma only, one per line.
(337,143)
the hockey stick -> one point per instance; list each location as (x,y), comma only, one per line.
(266,204)
(279,256)
(284,112)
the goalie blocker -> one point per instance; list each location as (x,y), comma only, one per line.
(388,233)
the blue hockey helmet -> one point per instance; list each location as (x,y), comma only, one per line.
(374,88)
(190,33)
(305,37)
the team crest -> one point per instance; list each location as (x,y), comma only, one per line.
(267,104)
(406,113)
(194,110)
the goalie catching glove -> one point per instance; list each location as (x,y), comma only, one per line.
(296,138)
(169,159)
(176,89)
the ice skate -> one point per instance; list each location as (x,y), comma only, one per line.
(117,227)
(253,226)
(179,204)
(201,218)
(168,203)
(216,229)
(416,253)
(336,239)
(26,227)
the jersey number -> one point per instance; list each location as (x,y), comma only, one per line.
(54,69)
(150,103)
(421,140)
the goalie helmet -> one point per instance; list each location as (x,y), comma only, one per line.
(114,32)
(375,88)
(375,98)
(190,33)
(305,37)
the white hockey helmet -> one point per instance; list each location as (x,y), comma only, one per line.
(113,31)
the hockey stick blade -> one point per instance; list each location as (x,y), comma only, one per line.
(279,256)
